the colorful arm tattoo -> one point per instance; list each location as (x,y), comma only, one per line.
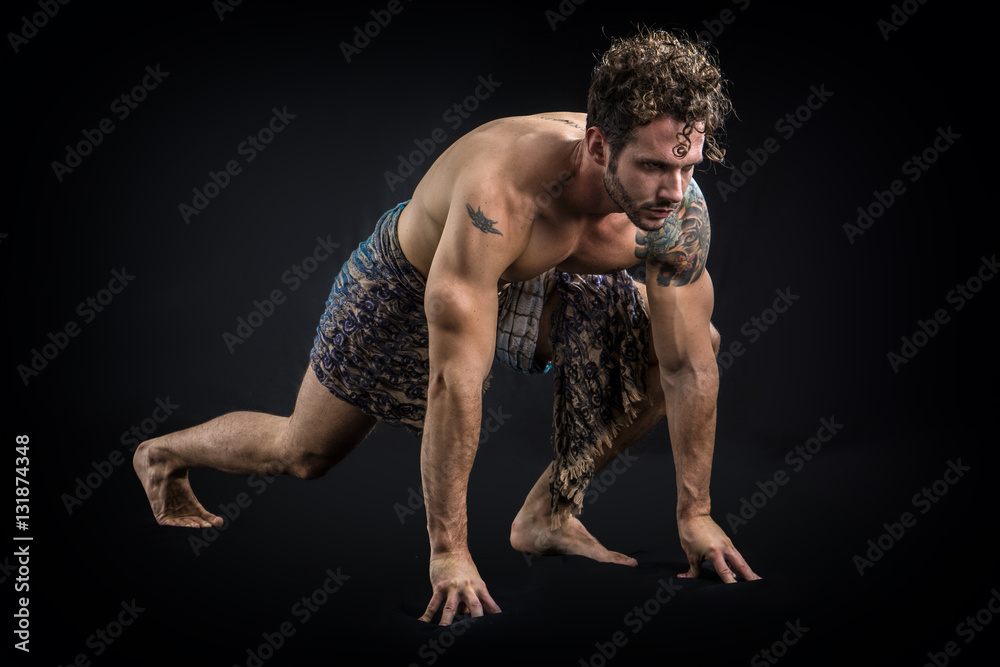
(679,248)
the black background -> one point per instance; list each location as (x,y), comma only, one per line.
(323,176)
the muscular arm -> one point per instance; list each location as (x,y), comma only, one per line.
(681,300)
(461,306)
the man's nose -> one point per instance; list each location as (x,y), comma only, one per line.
(671,188)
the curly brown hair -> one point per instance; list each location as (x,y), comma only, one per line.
(653,74)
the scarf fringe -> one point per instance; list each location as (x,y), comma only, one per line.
(601,320)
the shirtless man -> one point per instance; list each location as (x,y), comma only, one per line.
(476,224)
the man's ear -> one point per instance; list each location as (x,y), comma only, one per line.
(598,147)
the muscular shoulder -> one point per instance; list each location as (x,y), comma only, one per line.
(506,163)
(520,151)
(492,182)
(679,249)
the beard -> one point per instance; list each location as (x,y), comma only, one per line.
(627,203)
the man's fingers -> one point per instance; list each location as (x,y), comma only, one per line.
(722,567)
(432,607)
(741,566)
(449,609)
(692,572)
(488,605)
(474,606)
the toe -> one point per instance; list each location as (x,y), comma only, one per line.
(624,560)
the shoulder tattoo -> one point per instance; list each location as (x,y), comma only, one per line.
(481,222)
(562,120)
(679,248)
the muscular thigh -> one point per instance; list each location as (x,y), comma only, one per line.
(322,424)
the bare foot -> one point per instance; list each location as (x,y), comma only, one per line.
(169,492)
(531,533)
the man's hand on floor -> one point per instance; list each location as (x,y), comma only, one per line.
(458,587)
(702,539)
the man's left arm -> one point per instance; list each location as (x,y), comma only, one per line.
(681,299)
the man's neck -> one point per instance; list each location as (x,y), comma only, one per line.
(586,196)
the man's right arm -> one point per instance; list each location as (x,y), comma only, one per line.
(482,236)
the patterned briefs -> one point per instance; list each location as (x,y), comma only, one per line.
(371,349)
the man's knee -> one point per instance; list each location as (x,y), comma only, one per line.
(299,459)
(308,465)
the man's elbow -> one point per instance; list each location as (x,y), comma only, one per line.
(454,384)
(700,374)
